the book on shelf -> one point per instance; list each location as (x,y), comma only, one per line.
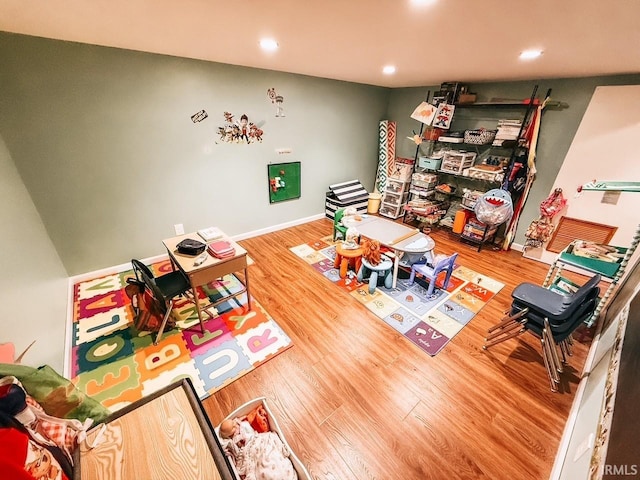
(211,233)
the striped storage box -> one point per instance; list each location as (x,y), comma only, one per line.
(346,194)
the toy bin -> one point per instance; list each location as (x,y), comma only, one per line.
(429,163)
(242,411)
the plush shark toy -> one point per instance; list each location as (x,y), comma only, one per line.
(494,207)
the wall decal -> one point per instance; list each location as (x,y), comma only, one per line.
(239,131)
(277,100)
(199,116)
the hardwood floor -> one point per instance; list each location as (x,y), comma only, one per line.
(358,401)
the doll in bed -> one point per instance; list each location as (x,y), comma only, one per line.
(257,456)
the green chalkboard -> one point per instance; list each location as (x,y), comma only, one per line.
(284,181)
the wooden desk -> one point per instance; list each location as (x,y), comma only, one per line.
(399,237)
(164,435)
(211,269)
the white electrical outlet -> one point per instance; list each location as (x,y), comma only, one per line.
(179,228)
(585,446)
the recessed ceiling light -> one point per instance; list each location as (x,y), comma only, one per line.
(530,54)
(269,44)
(389,70)
(422,3)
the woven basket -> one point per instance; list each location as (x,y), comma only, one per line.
(479,137)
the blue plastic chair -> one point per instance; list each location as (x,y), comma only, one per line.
(374,272)
(431,272)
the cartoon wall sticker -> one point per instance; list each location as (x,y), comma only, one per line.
(239,131)
(199,116)
(255,133)
(277,100)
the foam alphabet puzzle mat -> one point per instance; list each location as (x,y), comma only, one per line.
(116,364)
(428,321)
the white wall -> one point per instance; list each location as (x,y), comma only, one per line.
(605,147)
(33,282)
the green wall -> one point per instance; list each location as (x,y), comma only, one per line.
(556,133)
(99,159)
(104,143)
(33,284)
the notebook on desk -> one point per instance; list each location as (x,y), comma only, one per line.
(221,249)
(210,234)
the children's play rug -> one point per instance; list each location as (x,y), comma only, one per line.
(430,323)
(116,364)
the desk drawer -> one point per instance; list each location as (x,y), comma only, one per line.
(217,270)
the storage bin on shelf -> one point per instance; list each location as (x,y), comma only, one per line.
(477,231)
(480,136)
(425,211)
(402,169)
(456,161)
(471,197)
(430,163)
(507,130)
(395,186)
(491,173)
(391,210)
(395,198)
(421,192)
(423,207)
(426,181)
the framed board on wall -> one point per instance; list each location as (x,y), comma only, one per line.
(284,181)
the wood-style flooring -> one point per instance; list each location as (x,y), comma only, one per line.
(358,401)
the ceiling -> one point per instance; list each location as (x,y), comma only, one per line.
(351,40)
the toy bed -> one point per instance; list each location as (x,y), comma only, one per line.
(251,405)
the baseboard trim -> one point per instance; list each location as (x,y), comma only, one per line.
(275,228)
(157,258)
(517,247)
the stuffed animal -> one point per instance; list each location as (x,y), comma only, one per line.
(371,251)
(494,207)
(350,217)
(351,238)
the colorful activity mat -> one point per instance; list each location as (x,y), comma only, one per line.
(116,364)
(430,323)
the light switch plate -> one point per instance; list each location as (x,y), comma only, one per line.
(179,228)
